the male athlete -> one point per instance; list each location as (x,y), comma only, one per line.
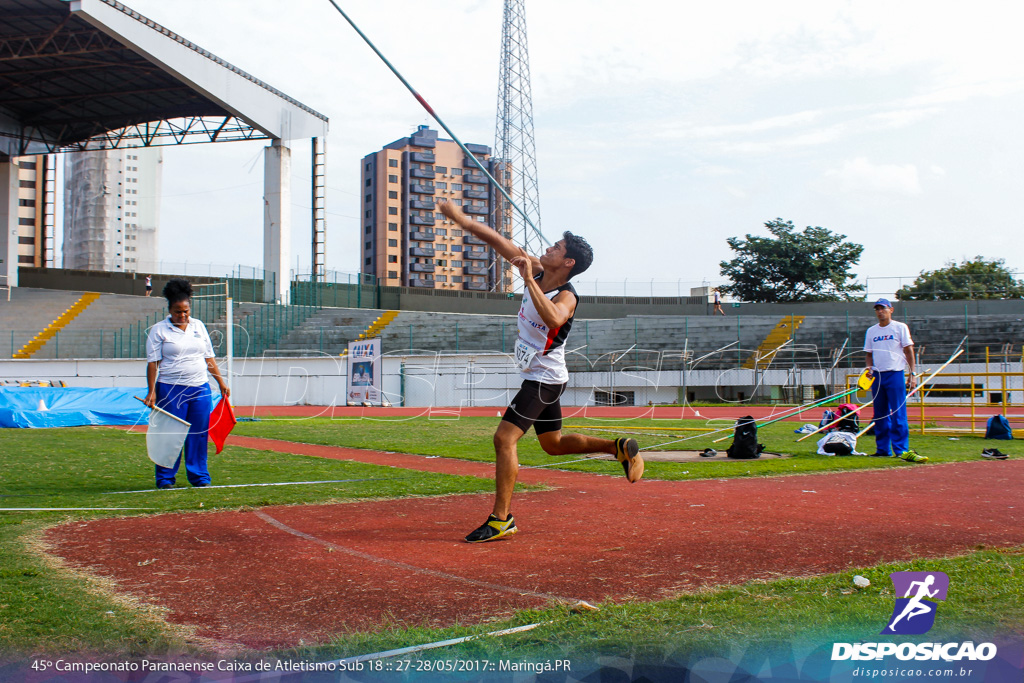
(889,350)
(549,305)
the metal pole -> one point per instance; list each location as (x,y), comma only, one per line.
(921,403)
(739,356)
(849,362)
(229,334)
(967,348)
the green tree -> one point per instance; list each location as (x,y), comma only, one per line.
(812,265)
(975,279)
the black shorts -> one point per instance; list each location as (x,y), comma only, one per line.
(536,405)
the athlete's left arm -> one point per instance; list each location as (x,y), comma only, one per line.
(554,312)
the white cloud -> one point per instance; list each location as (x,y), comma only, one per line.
(860,176)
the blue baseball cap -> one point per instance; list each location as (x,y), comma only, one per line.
(883,302)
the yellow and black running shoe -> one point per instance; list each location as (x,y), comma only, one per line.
(493,529)
(627,451)
(912,456)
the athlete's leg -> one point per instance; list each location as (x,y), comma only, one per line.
(557,443)
(548,426)
(522,412)
(506,467)
(549,432)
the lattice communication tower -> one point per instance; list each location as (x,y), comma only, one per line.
(514,145)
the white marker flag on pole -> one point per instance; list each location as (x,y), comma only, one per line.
(165,437)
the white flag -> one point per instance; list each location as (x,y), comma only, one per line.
(165,437)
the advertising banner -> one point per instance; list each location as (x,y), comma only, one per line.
(364,372)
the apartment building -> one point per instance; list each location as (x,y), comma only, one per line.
(406,241)
(111,209)
(36,181)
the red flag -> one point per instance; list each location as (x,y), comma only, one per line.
(222,421)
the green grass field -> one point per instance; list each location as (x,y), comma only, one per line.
(469,438)
(46,609)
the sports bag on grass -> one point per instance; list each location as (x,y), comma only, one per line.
(848,418)
(998,427)
(744,443)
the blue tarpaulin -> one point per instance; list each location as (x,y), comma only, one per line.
(71,407)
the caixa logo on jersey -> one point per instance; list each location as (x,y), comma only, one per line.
(914,613)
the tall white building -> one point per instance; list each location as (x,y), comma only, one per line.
(111,209)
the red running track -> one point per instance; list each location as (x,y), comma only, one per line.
(277,576)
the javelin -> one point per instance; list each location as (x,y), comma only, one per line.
(430,110)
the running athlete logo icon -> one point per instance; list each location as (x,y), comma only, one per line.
(915,611)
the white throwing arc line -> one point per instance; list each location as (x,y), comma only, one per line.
(410,567)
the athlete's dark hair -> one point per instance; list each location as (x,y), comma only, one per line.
(177,290)
(577,248)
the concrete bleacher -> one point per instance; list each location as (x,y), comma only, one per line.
(28,312)
(449,332)
(328,331)
(93,334)
(648,337)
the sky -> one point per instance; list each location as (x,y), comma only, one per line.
(662,128)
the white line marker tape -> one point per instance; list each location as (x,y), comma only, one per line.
(431,646)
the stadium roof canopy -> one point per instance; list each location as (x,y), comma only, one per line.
(90,74)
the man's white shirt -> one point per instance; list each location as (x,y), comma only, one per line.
(886,345)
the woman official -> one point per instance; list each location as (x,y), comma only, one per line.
(179,354)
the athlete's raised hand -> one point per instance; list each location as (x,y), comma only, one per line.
(524,265)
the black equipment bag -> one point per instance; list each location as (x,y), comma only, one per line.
(744,444)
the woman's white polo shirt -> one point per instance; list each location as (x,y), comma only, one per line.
(181,353)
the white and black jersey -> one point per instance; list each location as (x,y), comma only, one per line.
(547,364)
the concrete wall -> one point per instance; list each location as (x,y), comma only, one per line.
(98,281)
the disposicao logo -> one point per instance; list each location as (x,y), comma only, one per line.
(914,613)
